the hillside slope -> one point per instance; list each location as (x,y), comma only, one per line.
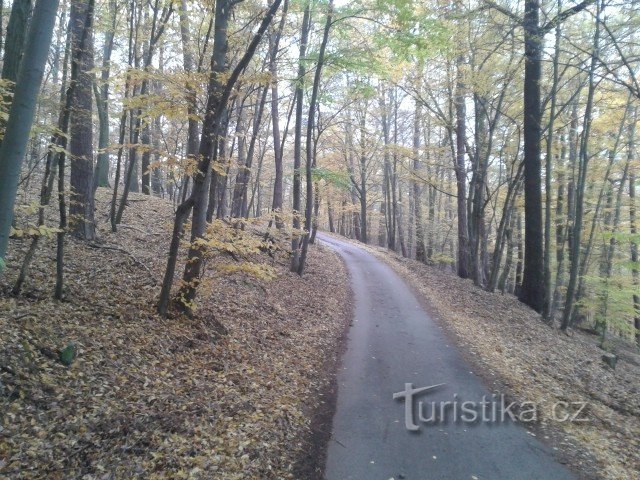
(230,394)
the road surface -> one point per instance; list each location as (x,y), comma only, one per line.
(394,342)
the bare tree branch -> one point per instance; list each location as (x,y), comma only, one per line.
(562,16)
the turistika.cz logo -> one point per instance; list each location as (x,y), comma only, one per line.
(490,409)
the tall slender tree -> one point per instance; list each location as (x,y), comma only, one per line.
(297,139)
(219,94)
(22,112)
(274,45)
(81,206)
(308,212)
(532,291)
(101,91)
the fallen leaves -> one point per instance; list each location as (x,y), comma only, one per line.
(229,394)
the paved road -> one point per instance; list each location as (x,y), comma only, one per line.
(392,342)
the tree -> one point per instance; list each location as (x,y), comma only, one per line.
(421,253)
(297,139)
(460,170)
(218,97)
(533,287)
(274,43)
(14,47)
(581,184)
(22,112)
(81,206)
(308,212)
(15,41)
(634,255)
(158,24)
(101,91)
(190,93)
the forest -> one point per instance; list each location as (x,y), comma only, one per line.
(167,158)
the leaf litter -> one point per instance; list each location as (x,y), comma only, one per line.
(228,394)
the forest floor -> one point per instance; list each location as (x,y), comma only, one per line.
(234,393)
(520,356)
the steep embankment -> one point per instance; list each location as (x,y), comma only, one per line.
(518,355)
(171,398)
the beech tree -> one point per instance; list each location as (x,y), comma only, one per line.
(81,205)
(218,96)
(23,107)
(533,286)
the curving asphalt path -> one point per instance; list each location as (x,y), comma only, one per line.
(392,342)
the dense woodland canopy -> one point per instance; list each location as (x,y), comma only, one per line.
(494,138)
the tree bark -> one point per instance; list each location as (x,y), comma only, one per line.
(101,177)
(532,292)
(635,272)
(14,43)
(81,205)
(461,175)
(421,253)
(297,141)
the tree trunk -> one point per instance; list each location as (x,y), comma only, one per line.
(14,43)
(241,160)
(101,177)
(520,263)
(217,195)
(116,181)
(188,62)
(239,205)
(461,175)
(503,235)
(582,177)
(388,206)
(330,215)
(421,253)
(22,111)
(310,129)
(123,126)
(297,142)
(560,231)
(634,253)
(546,313)
(274,43)
(81,205)
(611,224)
(532,292)
(145,160)
(362,190)
(506,271)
